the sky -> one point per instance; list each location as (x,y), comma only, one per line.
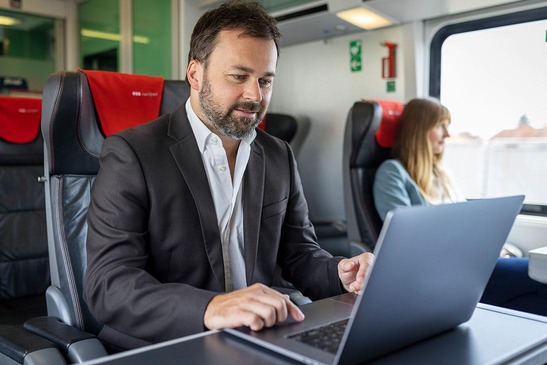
(490,78)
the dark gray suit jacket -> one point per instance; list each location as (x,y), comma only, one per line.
(154,253)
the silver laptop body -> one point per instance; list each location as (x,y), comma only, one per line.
(432,265)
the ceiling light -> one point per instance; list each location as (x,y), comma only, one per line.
(364,18)
(8,20)
(90,33)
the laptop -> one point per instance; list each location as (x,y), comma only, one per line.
(432,265)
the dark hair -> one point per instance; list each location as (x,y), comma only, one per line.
(250,17)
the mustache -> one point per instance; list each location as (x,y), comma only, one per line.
(248,106)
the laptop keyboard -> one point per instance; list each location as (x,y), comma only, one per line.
(326,338)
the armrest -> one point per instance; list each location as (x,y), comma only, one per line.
(537,264)
(77,345)
(17,346)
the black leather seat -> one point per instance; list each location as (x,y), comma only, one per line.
(24,264)
(362,156)
(74,139)
(282,126)
(24,267)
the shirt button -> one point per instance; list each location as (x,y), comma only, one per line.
(222,168)
(214,140)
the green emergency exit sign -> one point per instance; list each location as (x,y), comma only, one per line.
(390,86)
(355,53)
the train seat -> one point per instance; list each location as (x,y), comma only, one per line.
(79,110)
(282,126)
(24,267)
(24,264)
(368,138)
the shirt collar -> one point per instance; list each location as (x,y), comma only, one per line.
(202,133)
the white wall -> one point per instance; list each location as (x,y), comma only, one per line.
(314,82)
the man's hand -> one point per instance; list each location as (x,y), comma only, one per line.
(256,307)
(352,272)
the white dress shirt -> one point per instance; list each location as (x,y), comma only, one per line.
(226,194)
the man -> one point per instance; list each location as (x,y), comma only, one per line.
(192,213)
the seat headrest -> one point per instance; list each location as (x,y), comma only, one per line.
(19,119)
(74,126)
(140,96)
(387,130)
(282,126)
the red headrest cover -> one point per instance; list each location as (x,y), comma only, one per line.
(124,100)
(19,119)
(387,131)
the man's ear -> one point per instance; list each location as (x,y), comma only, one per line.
(194,74)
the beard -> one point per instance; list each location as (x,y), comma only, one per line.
(223,119)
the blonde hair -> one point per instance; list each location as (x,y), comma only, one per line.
(413,147)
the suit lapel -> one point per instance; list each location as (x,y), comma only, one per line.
(186,154)
(253,194)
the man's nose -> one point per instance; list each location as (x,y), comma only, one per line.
(252,91)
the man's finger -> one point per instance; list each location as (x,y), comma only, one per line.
(294,311)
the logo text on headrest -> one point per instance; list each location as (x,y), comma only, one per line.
(26,111)
(140,93)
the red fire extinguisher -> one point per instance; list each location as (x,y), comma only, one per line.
(388,63)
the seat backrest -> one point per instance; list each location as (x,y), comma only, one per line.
(282,126)
(24,268)
(368,138)
(75,120)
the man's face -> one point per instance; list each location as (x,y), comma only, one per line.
(235,88)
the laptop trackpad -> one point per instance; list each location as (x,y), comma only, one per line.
(318,313)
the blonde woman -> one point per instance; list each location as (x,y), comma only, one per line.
(415,176)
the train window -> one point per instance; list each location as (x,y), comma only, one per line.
(152,37)
(491,74)
(100,34)
(102,40)
(27,52)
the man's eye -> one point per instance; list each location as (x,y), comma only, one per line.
(265,82)
(238,77)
